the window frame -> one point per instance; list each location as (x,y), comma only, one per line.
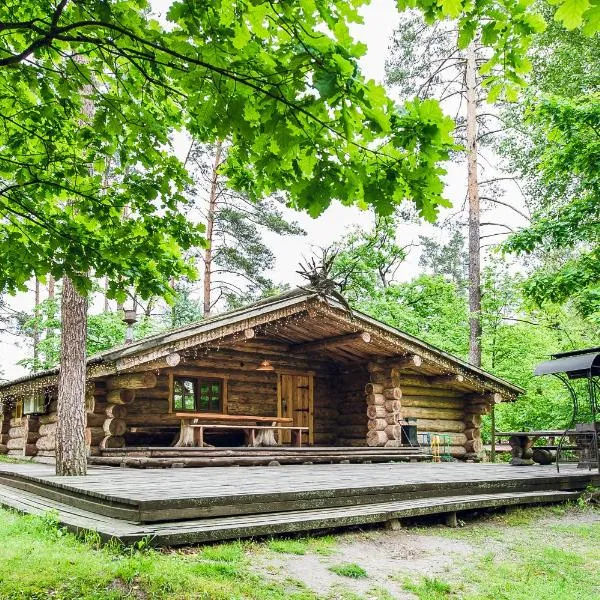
(197,383)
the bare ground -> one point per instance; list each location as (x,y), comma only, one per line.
(392,557)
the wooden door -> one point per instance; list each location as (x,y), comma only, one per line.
(296,402)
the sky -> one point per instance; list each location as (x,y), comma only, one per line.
(380,20)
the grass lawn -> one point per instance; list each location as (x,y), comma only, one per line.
(523,554)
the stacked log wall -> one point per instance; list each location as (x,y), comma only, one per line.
(46,443)
(249,392)
(22,436)
(383,398)
(4,427)
(352,407)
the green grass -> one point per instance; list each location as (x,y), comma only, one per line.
(323,545)
(351,570)
(39,560)
(428,588)
(530,558)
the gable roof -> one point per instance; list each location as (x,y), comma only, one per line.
(390,340)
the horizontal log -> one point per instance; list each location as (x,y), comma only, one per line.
(95,420)
(112,441)
(94,435)
(432,413)
(473,433)
(15,443)
(117,411)
(47,429)
(432,402)
(375,399)
(410,390)
(440,425)
(446,380)
(47,453)
(49,418)
(376,438)
(47,442)
(393,418)
(17,432)
(475,445)
(393,432)
(392,405)
(134,381)
(472,420)
(120,396)
(331,342)
(376,424)
(454,438)
(115,426)
(412,361)
(376,411)
(394,393)
(373,388)
(16,422)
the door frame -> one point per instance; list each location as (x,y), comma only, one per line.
(311,400)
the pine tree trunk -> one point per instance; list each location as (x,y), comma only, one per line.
(474,212)
(210,223)
(36,329)
(51,294)
(70,434)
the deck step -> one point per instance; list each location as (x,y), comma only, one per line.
(233,527)
(146,497)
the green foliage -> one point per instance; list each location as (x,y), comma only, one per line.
(280,82)
(185,309)
(570,223)
(553,147)
(104,331)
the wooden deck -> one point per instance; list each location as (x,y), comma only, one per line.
(182,506)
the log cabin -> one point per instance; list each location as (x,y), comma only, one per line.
(295,370)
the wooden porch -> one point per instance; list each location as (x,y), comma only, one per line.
(159,458)
(188,506)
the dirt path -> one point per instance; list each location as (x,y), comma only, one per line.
(391,558)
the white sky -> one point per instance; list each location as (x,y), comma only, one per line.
(380,20)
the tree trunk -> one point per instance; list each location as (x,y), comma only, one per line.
(70,433)
(474,212)
(210,223)
(36,329)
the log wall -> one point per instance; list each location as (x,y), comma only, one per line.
(352,407)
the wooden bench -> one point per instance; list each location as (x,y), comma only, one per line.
(251,433)
(194,424)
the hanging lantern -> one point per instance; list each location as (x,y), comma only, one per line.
(265,365)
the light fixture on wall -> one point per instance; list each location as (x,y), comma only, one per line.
(265,365)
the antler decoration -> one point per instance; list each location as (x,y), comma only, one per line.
(321,279)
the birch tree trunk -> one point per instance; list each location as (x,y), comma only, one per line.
(210,223)
(474,212)
(70,433)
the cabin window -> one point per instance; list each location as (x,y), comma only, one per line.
(197,395)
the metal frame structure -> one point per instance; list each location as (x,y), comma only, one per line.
(569,367)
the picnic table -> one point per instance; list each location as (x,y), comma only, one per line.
(259,430)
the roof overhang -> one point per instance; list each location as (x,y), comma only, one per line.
(574,366)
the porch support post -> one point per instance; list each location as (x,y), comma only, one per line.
(383,406)
(475,407)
